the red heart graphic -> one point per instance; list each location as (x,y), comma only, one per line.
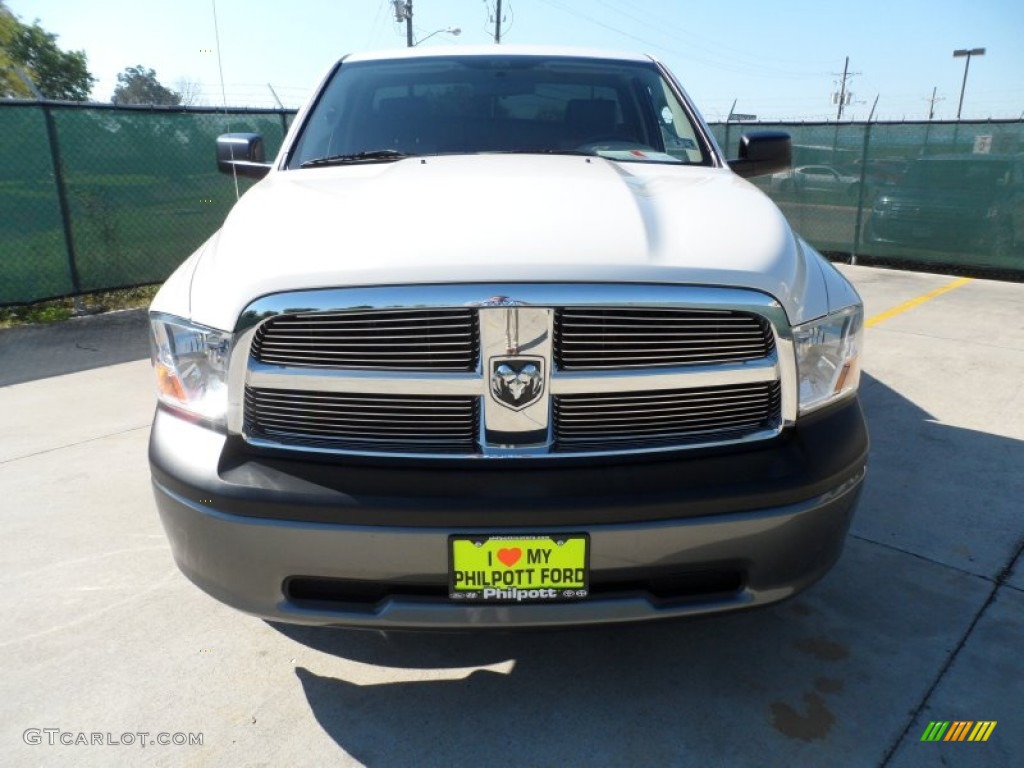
(510,556)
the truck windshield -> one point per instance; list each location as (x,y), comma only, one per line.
(385,110)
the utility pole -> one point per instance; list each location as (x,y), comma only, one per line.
(843,97)
(871,115)
(931,103)
(842,90)
(274,94)
(497,25)
(403,12)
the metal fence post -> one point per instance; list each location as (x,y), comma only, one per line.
(62,197)
(861,193)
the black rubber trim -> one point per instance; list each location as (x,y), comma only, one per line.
(819,455)
(662,586)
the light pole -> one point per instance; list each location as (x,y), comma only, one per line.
(968,52)
(454,31)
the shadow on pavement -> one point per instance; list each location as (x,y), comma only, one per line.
(589,697)
(943,492)
(791,684)
(35,352)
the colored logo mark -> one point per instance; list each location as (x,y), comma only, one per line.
(958,730)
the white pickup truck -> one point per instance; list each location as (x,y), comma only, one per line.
(502,339)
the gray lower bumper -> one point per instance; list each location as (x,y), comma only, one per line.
(245,562)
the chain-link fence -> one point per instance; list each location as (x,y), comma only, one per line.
(946,195)
(95,197)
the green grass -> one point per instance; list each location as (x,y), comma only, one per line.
(57,310)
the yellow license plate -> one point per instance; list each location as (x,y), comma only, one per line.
(519,568)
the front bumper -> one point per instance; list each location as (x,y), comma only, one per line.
(367,546)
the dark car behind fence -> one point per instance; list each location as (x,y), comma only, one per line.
(942,195)
(95,197)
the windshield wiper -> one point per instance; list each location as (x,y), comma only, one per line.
(577,152)
(368,156)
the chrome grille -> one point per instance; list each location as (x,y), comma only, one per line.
(392,423)
(600,422)
(421,370)
(379,339)
(605,337)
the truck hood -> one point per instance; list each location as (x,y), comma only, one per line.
(501,218)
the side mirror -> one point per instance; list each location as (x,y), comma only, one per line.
(763,152)
(242,153)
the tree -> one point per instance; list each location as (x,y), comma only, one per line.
(138,85)
(190,91)
(57,74)
(10,83)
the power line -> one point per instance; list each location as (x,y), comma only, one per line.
(375,27)
(715,48)
(732,65)
(223,93)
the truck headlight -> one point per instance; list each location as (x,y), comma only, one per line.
(190,363)
(828,357)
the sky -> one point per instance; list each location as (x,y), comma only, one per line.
(779,60)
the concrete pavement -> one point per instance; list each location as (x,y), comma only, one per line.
(921,620)
(31,352)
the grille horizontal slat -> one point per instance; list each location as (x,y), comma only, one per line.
(634,425)
(675,351)
(637,436)
(394,315)
(667,414)
(382,422)
(654,360)
(655,399)
(584,337)
(597,338)
(437,425)
(588,422)
(322,351)
(653,432)
(387,339)
(288,341)
(922,213)
(372,409)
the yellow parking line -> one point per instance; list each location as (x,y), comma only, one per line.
(890,313)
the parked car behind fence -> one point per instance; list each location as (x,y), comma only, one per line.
(956,201)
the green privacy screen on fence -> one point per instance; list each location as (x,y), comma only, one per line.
(33,262)
(944,194)
(141,191)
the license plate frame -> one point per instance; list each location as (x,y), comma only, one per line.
(479,566)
